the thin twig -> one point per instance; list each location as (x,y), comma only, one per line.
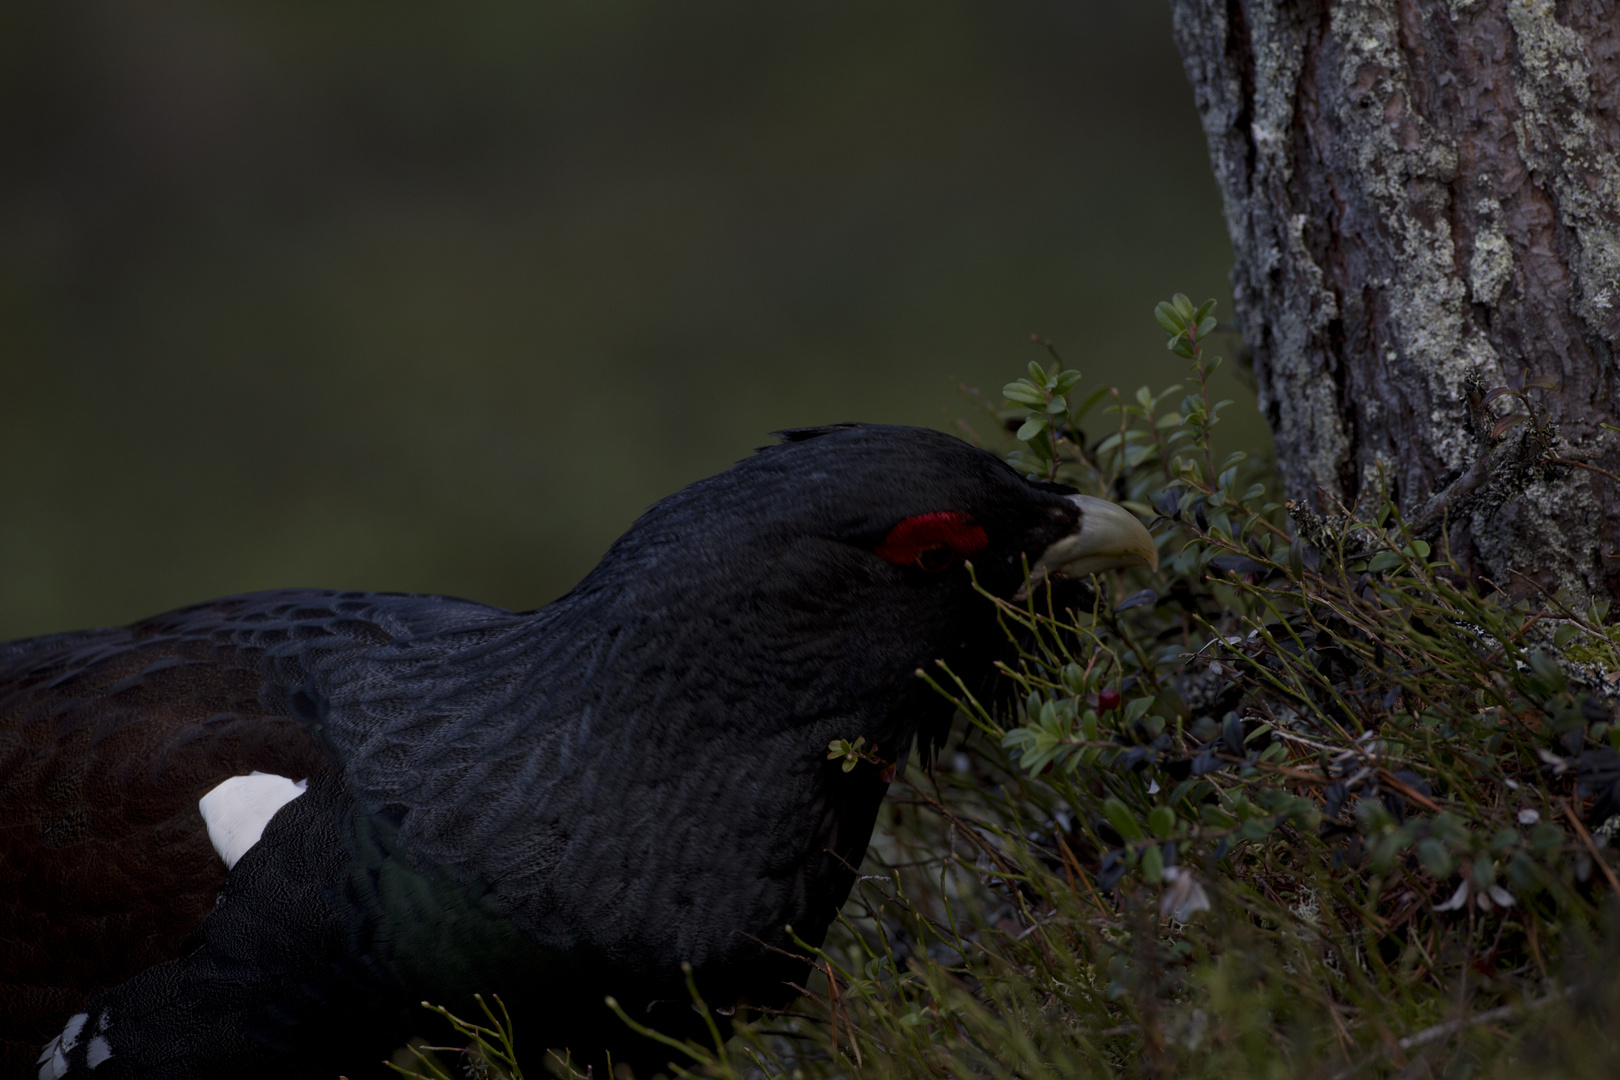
(1584,465)
(1586,838)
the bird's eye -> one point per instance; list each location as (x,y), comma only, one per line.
(933,541)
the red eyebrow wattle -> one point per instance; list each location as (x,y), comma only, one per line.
(926,532)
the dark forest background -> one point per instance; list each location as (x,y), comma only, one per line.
(439,297)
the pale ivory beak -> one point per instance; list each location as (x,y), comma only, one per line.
(1109,538)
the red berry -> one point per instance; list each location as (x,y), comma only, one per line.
(1107,698)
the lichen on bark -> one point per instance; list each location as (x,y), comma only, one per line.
(1424,196)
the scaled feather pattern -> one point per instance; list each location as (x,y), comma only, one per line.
(554,805)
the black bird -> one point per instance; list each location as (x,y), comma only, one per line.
(553,805)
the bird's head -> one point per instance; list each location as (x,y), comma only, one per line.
(859,513)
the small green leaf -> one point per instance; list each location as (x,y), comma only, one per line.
(1547,670)
(1025,394)
(1545,838)
(1435,858)
(1168,318)
(1161,821)
(1066,382)
(1215,817)
(1184,307)
(1152,866)
(1026,462)
(1121,819)
(1088,725)
(1037,374)
(1384,560)
(1090,402)
(1206,326)
(1502,426)
(1384,852)
(1032,427)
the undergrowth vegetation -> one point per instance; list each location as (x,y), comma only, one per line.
(1304,803)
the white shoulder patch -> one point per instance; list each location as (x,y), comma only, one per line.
(53,1062)
(237,811)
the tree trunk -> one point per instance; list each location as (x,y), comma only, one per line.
(1424,199)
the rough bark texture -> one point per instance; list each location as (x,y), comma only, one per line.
(1419,193)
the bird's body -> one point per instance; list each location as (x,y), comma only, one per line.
(553,806)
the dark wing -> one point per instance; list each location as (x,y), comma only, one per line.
(107,740)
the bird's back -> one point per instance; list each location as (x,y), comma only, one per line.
(555,805)
(109,737)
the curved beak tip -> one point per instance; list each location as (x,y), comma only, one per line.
(1109,537)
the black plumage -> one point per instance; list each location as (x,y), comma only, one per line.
(553,805)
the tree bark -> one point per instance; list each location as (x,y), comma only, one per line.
(1424,198)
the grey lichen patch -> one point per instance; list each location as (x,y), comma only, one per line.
(1279,290)
(1376,478)
(1304,396)
(1218,91)
(1558,140)
(1278,58)
(1490,265)
(1546,516)
(1403,167)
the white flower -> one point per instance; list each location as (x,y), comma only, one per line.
(1458,901)
(1486,899)
(1183,896)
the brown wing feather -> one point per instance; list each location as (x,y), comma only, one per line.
(107,740)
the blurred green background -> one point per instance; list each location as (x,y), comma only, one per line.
(440,297)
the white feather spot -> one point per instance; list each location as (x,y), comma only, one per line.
(237,811)
(100,1050)
(70,1034)
(53,1062)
